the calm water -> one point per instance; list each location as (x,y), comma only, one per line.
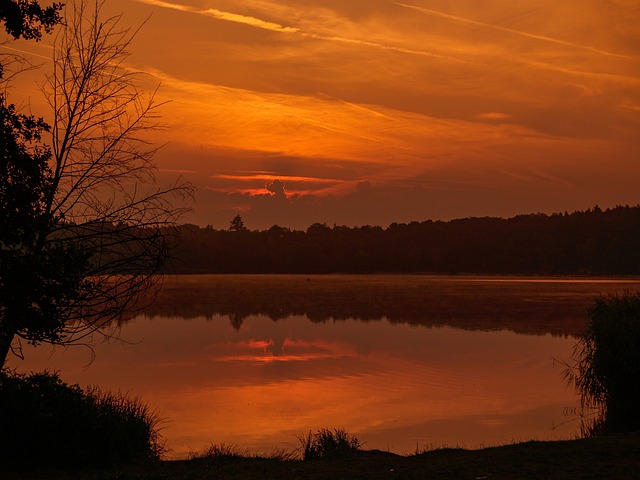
(449,370)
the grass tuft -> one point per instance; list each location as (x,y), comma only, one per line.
(224,451)
(327,444)
(219,451)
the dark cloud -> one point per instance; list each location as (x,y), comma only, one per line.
(277,188)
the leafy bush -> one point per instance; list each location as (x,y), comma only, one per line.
(46,422)
(607,365)
(328,444)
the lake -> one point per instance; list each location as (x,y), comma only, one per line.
(404,362)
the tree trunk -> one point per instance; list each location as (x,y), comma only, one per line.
(6,338)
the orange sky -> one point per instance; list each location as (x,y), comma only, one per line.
(375,111)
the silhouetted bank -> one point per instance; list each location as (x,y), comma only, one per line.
(591,242)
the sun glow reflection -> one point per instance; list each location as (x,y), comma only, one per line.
(263,351)
(392,385)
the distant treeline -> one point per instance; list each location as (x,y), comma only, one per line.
(591,242)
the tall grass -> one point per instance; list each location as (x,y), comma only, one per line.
(225,451)
(328,444)
(46,422)
(606,372)
(219,451)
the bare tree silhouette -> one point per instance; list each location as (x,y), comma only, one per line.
(101,233)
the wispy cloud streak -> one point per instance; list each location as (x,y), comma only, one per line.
(520,33)
(25,52)
(226,16)
(275,27)
(252,21)
(270,177)
(366,43)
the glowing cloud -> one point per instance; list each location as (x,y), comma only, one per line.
(254,22)
(443,109)
(226,16)
(272,178)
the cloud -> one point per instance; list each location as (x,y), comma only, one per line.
(329,145)
(276,27)
(493,116)
(257,182)
(511,31)
(376,45)
(27,52)
(277,188)
(252,21)
(225,16)
(470,106)
(441,195)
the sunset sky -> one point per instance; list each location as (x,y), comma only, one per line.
(359,112)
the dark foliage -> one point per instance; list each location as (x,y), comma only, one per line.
(327,444)
(46,422)
(237,224)
(37,278)
(607,365)
(27,18)
(591,242)
(25,177)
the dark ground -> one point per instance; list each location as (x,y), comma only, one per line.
(614,457)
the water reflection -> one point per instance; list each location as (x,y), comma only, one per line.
(526,305)
(394,386)
(210,357)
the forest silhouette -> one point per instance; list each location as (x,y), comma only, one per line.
(590,242)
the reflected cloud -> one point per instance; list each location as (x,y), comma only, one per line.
(286,350)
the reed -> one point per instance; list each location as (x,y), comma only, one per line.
(606,370)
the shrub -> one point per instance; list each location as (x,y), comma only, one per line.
(607,365)
(46,422)
(328,444)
